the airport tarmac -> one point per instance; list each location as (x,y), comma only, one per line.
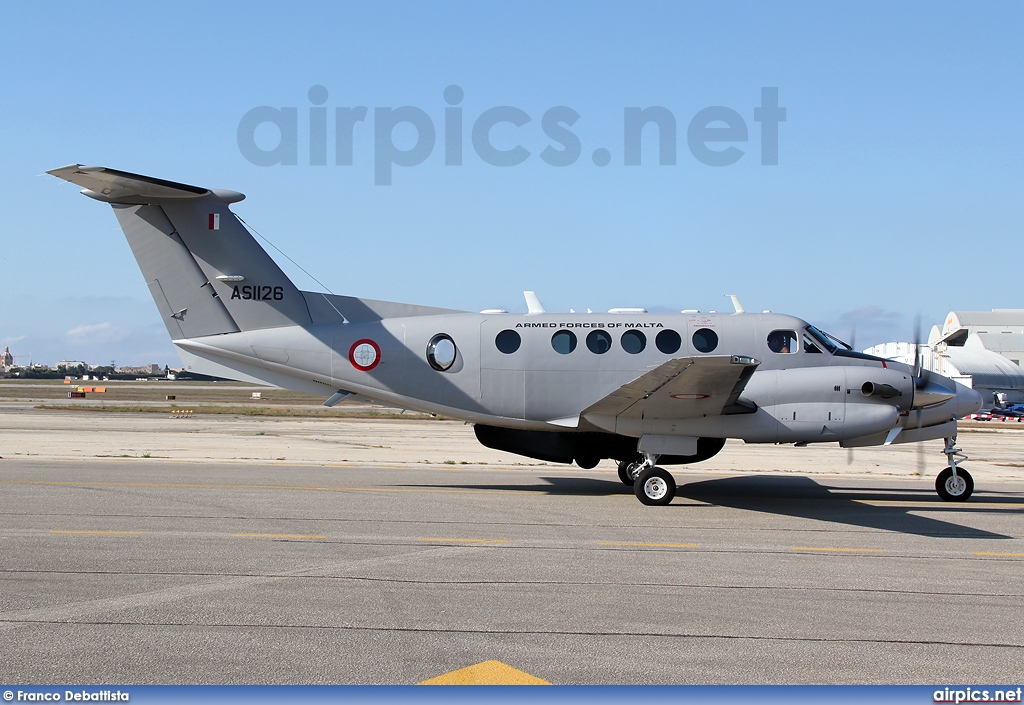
(139,548)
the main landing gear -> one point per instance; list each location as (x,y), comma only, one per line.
(954,484)
(652,485)
(629,470)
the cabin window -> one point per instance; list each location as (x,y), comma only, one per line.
(508,341)
(633,341)
(441,352)
(564,342)
(705,340)
(782,341)
(668,341)
(599,342)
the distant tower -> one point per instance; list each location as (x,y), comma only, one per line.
(6,359)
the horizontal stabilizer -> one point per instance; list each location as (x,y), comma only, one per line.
(114,186)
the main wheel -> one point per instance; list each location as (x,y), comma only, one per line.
(628,470)
(655,487)
(954,489)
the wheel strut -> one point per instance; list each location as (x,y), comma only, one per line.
(953,453)
(650,460)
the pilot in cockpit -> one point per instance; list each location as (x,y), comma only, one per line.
(778,341)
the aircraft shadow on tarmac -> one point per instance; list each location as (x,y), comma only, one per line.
(803,497)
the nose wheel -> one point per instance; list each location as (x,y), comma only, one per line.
(954,488)
(954,484)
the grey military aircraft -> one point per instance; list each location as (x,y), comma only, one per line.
(635,387)
(1001,409)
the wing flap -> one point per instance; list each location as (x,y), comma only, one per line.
(678,389)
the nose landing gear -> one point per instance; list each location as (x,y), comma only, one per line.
(954,484)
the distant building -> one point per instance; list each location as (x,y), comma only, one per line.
(986,371)
(6,359)
(981,349)
(1000,330)
(147,370)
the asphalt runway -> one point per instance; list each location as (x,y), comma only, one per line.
(147,570)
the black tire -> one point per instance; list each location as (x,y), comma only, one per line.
(655,487)
(628,470)
(587,462)
(951,491)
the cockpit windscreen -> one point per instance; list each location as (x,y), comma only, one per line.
(828,341)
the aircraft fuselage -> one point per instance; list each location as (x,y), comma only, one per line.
(562,364)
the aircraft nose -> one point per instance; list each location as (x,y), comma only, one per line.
(968,400)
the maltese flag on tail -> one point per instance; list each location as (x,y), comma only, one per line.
(214,221)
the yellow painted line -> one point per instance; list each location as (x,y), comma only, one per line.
(464,540)
(939,503)
(97,533)
(486,673)
(196,485)
(848,550)
(1001,555)
(279,536)
(646,545)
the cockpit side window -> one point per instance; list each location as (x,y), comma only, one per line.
(782,341)
(809,346)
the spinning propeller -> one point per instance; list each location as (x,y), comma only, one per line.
(921,379)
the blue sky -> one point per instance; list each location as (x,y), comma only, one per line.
(897,194)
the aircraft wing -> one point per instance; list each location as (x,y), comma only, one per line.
(681,388)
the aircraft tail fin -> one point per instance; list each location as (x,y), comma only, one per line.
(206,273)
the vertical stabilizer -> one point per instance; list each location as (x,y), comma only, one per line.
(205,271)
(187,303)
(253,289)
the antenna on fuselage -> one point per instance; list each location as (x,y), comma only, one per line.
(736,303)
(533,304)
